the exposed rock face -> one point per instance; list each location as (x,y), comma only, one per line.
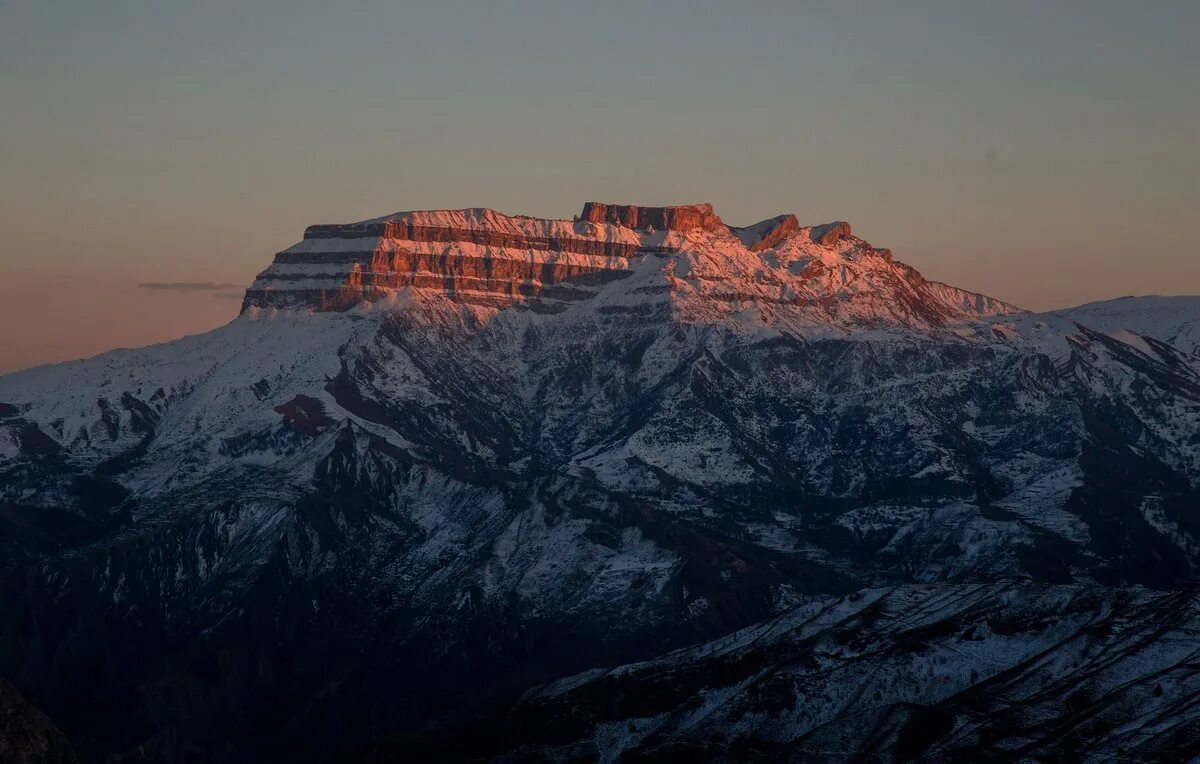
(487,281)
(478,257)
(402,230)
(678,258)
(769,233)
(681,218)
(306,414)
(830,234)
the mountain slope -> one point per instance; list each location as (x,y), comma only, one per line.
(1169,319)
(438,447)
(1026,672)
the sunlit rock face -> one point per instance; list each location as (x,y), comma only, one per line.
(768,233)
(681,218)
(477,256)
(616,256)
(830,234)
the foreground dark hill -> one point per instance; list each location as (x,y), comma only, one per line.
(946,672)
(444,458)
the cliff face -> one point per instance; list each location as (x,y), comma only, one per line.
(680,218)
(683,258)
(769,233)
(830,234)
(475,257)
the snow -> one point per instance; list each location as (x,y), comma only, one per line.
(1174,320)
(923,645)
(709,277)
(1134,340)
(207,378)
(8,445)
(790,342)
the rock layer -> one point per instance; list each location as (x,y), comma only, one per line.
(681,218)
(768,233)
(830,234)
(681,257)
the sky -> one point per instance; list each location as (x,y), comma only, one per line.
(155,156)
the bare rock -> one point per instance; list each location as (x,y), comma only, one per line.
(680,218)
(767,233)
(831,233)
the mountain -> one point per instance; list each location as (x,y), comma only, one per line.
(1023,671)
(1170,319)
(445,461)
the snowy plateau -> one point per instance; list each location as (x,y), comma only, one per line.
(636,486)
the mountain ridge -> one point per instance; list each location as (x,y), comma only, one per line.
(682,253)
(337,523)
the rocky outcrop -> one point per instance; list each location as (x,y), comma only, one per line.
(830,234)
(406,231)
(681,218)
(767,233)
(486,258)
(475,280)
(306,414)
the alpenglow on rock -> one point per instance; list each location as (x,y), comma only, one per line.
(636,484)
(679,255)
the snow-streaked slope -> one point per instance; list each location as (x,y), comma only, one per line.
(436,447)
(936,673)
(200,391)
(1173,320)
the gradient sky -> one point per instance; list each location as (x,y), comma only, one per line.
(1047,153)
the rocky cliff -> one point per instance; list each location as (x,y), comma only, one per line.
(681,218)
(682,257)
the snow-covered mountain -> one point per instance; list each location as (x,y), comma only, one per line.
(1168,319)
(442,458)
(1023,671)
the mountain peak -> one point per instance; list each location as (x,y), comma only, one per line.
(682,257)
(677,218)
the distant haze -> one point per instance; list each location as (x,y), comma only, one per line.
(156,155)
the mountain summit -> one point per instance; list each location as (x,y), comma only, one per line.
(638,484)
(621,257)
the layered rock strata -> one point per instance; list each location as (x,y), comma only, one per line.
(683,257)
(681,218)
(471,256)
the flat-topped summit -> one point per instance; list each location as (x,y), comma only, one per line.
(683,258)
(677,218)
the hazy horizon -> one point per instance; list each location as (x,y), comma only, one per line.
(156,158)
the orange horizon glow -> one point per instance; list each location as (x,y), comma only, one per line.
(1034,152)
